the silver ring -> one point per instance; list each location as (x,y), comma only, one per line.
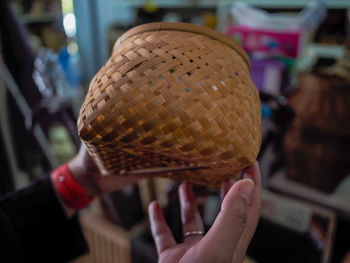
(195,232)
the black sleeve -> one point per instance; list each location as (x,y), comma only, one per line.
(34,227)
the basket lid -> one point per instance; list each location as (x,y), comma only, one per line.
(173,97)
(178,26)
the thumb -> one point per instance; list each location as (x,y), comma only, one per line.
(223,236)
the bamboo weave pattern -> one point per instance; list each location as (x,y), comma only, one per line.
(170,98)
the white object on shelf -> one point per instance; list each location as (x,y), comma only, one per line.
(248,15)
(325,50)
(289,4)
(224,5)
(338,200)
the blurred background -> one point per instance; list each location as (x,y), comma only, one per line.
(300,57)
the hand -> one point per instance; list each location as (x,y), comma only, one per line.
(228,238)
(88,176)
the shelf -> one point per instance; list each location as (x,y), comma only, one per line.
(39,18)
(289,4)
(338,201)
(325,50)
(170,3)
(214,3)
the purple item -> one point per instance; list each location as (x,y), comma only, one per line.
(268,75)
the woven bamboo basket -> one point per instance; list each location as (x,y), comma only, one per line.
(173,100)
(317,147)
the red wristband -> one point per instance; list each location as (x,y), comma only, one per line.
(73,194)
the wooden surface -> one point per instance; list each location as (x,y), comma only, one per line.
(108,242)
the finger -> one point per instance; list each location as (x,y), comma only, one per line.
(162,236)
(229,225)
(190,217)
(253,173)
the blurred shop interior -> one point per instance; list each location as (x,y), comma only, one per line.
(300,63)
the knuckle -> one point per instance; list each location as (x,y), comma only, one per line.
(159,231)
(242,219)
(188,213)
(188,218)
(241,215)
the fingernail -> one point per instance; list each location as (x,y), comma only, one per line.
(156,210)
(247,176)
(246,189)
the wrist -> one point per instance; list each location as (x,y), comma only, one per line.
(82,174)
(69,190)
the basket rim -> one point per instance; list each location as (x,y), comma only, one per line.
(187,27)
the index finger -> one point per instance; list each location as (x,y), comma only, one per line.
(229,225)
(252,172)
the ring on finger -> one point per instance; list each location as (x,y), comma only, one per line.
(195,232)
